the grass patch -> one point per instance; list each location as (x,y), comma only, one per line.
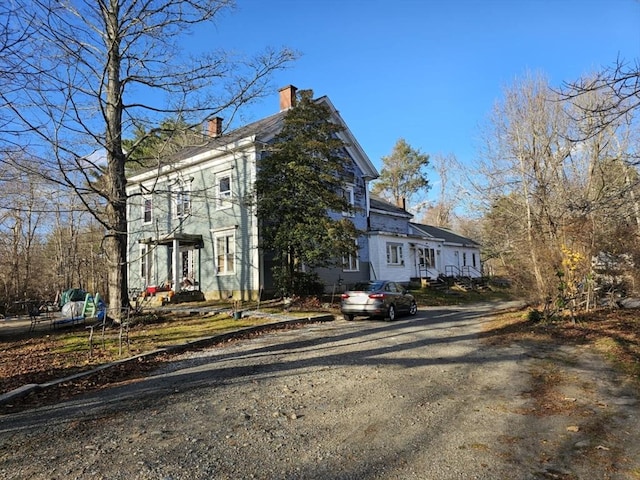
(457,296)
(58,353)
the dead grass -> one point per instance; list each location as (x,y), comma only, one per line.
(58,354)
(614,333)
(49,355)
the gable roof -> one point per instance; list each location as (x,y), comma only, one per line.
(262,131)
(382,206)
(447,235)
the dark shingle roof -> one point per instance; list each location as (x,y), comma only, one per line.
(383,205)
(263,129)
(447,235)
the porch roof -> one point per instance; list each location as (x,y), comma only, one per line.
(188,239)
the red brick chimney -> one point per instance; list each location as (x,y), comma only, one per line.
(287,97)
(214,126)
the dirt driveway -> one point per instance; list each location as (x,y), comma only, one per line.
(422,397)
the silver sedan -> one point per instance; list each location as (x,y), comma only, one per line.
(377,298)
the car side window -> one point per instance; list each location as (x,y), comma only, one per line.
(392,287)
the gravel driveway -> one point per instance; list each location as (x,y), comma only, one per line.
(420,398)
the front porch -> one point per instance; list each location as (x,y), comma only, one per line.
(181,266)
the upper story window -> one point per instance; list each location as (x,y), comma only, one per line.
(223,184)
(147,209)
(349,196)
(182,200)
(394,254)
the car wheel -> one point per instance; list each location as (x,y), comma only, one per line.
(348,317)
(391,313)
(413,309)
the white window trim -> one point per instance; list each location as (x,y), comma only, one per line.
(177,195)
(348,260)
(223,202)
(146,264)
(350,192)
(400,254)
(224,234)
(145,199)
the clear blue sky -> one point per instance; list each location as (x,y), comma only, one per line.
(425,70)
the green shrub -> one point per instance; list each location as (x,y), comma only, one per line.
(535,316)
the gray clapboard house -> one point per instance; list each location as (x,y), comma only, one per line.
(192,224)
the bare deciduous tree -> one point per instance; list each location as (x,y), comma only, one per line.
(618,95)
(526,151)
(441,212)
(559,184)
(92,71)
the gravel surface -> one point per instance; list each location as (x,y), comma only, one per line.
(420,398)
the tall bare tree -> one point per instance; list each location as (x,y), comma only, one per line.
(23,216)
(441,211)
(560,184)
(92,71)
(526,150)
(618,95)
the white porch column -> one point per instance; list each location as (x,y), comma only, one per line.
(176,265)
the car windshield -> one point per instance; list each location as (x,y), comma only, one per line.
(368,287)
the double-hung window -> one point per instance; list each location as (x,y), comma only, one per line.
(394,254)
(350,262)
(223,185)
(182,200)
(225,252)
(427,257)
(349,196)
(147,209)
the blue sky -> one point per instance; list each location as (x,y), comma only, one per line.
(424,70)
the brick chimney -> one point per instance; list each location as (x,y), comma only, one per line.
(287,97)
(214,126)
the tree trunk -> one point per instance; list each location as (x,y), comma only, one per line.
(116,239)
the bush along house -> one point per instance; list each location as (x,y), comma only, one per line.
(192,225)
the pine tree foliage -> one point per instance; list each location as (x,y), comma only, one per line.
(149,147)
(299,189)
(403,174)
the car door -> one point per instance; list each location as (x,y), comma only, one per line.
(400,298)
